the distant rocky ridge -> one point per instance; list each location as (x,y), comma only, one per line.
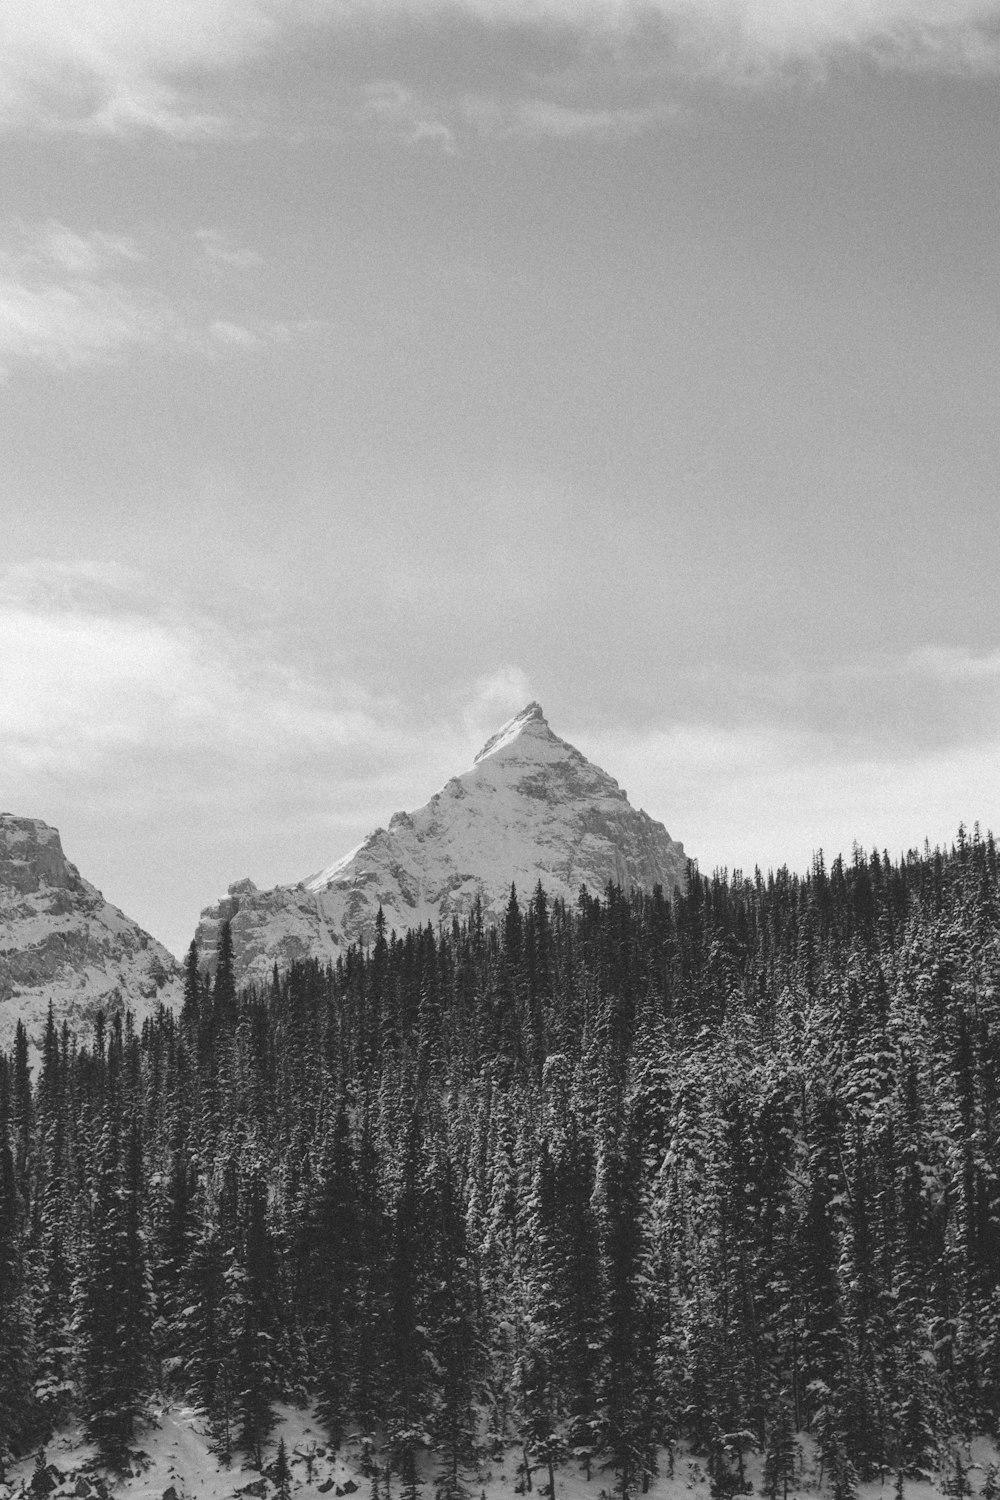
(61,941)
(530,808)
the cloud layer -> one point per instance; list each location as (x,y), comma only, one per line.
(80,68)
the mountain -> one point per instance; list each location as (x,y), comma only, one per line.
(530,808)
(61,941)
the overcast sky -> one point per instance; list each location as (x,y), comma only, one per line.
(368,369)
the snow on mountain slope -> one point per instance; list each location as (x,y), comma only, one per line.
(530,808)
(61,941)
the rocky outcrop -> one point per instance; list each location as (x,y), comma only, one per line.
(60,941)
(530,808)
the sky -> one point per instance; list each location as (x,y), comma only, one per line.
(369,368)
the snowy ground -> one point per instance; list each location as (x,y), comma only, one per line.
(175,1455)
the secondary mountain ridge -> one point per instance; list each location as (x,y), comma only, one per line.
(60,941)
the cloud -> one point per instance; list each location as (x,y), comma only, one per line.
(89,255)
(69,298)
(529,118)
(78,67)
(220,252)
(435,121)
(764,795)
(947,33)
(64,326)
(495,698)
(955,664)
(402,113)
(95,665)
(83,68)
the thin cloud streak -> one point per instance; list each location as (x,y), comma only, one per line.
(220,252)
(955,664)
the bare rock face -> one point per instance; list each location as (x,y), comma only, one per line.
(60,941)
(530,808)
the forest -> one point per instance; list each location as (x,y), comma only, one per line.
(719,1168)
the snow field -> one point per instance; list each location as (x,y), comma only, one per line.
(174,1453)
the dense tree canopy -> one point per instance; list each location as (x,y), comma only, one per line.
(718,1167)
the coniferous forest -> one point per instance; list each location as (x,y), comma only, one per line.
(717,1169)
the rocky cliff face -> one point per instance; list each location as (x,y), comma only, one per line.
(61,941)
(530,808)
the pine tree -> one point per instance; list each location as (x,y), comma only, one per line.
(17,1414)
(282,1473)
(204,1336)
(331,1258)
(114,1297)
(624,1394)
(190,1017)
(452,1331)
(779,1454)
(255,1371)
(407,1349)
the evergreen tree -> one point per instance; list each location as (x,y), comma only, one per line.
(779,1454)
(331,1259)
(17,1413)
(282,1472)
(114,1297)
(252,1285)
(407,1342)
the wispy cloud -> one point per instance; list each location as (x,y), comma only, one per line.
(79,67)
(495,698)
(220,251)
(69,298)
(401,112)
(440,123)
(537,117)
(955,664)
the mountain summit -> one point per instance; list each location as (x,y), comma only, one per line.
(529,808)
(61,941)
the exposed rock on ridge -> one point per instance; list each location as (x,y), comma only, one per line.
(61,941)
(530,808)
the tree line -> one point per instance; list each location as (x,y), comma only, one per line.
(720,1168)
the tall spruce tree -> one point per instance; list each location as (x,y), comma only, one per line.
(114,1295)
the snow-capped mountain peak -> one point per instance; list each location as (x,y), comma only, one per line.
(523,723)
(530,808)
